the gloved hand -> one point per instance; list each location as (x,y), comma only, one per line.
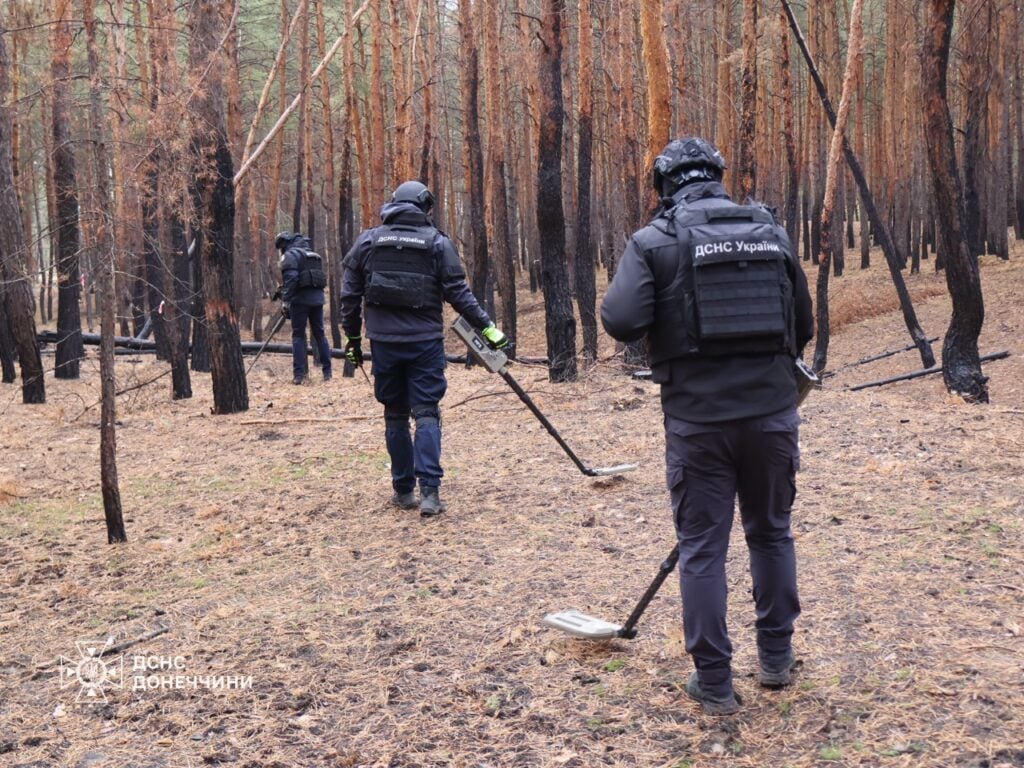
(494,337)
(354,349)
(276,296)
(286,310)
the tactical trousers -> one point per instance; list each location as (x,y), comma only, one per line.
(314,314)
(708,465)
(409,381)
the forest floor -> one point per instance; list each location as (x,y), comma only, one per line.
(310,624)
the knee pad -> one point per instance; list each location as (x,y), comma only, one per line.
(394,418)
(426,415)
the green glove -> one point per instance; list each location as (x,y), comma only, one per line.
(354,349)
(494,337)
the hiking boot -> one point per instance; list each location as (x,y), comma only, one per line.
(327,375)
(299,380)
(713,705)
(430,503)
(777,673)
(405,500)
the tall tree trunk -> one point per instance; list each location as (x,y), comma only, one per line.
(105,279)
(559,322)
(659,84)
(214,199)
(300,133)
(792,212)
(479,265)
(69,287)
(746,166)
(961,368)
(834,178)
(502,257)
(17,307)
(586,287)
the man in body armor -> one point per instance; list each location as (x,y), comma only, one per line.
(402,272)
(302,295)
(716,290)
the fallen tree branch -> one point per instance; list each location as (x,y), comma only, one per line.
(873,358)
(923,372)
(129,643)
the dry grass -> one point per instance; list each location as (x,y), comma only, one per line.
(373,638)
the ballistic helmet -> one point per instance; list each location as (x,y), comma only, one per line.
(685,160)
(413,192)
(284,239)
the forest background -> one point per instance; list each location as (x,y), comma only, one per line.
(149,151)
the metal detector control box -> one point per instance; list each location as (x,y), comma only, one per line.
(494,360)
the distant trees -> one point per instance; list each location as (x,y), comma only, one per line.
(536,144)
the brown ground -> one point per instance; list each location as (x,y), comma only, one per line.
(263,542)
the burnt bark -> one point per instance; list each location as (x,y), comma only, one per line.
(15,287)
(103,221)
(69,318)
(559,322)
(961,367)
(213,196)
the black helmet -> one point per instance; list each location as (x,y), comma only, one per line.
(413,192)
(284,239)
(684,160)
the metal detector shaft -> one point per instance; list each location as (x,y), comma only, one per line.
(547,424)
(628,630)
(496,361)
(275,329)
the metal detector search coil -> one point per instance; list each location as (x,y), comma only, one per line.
(496,361)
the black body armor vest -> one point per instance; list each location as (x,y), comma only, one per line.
(731,294)
(311,273)
(403,268)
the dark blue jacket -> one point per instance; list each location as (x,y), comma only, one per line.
(399,323)
(291,264)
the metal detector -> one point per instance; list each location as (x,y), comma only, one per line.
(275,329)
(496,361)
(589,628)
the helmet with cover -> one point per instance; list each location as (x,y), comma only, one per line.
(686,160)
(413,192)
(284,240)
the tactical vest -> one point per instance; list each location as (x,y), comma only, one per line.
(311,272)
(731,294)
(403,268)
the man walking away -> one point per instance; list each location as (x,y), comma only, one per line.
(717,292)
(302,294)
(402,272)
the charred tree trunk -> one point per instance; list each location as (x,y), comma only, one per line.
(213,195)
(105,280)
(586,285)
(961,368)
(17,306)
(69,287)
(789,137)
(479,263)
(503,259)
(558,317)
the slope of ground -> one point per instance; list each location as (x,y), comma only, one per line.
(262,543)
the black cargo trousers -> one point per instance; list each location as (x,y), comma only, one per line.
(708,465)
